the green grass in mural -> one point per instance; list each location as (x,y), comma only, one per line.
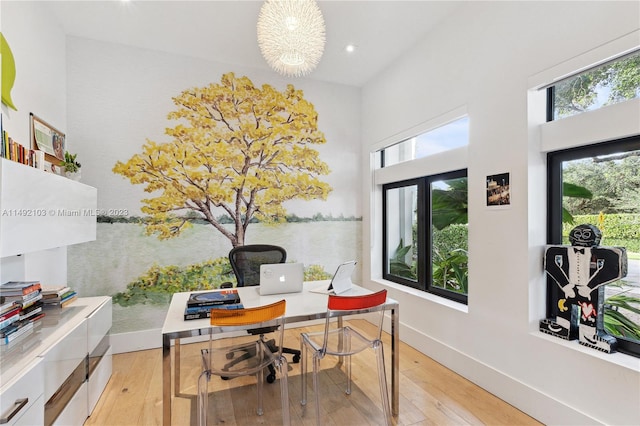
(158,284)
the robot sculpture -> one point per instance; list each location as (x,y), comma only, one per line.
(581,272)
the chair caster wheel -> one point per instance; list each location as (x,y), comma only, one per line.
(271,378)
(229,355)
(224,378)
(296,359)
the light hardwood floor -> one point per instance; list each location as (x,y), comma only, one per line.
(430,394)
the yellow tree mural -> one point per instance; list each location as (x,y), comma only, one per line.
(236,150)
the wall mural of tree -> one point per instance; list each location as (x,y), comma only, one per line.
(236,149)
(237,152)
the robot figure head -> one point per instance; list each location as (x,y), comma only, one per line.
(585,236)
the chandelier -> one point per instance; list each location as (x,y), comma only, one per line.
(291,35)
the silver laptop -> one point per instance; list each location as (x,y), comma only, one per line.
(278,278)
(341,280)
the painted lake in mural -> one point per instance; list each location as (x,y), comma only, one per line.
(122,253)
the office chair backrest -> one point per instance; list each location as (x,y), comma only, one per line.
(352,305)
(246,261)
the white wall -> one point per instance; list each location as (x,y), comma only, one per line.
(38,47)
(482,60)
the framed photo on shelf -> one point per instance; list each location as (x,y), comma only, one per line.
(48,139)
(498,190)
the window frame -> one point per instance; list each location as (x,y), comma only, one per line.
(555,159)
(424,280)
(419,183)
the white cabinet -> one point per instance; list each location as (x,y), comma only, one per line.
(56,374)
(51,366)
(40,210)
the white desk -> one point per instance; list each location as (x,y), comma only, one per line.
(305,306)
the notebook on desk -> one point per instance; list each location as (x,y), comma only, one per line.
(341,280)
(279,278)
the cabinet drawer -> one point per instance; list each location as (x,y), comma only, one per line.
(27,386)
(98,378)
(63,358)
(99,324)
(75,413)
(33,416)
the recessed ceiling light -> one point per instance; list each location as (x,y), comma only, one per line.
(350,48)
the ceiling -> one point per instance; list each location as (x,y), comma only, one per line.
(225,31)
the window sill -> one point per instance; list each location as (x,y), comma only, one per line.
(461,307)
(623,360)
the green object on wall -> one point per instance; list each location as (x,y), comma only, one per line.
(8,72)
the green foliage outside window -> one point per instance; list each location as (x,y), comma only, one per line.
(605,85)
(451,258)
(398,265)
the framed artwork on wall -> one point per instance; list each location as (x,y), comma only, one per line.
(47,138)
(498,190)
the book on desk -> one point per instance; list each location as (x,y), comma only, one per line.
(200,312)
(211,298)
(199,305)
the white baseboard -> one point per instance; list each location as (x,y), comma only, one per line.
(528,400)
(136,341)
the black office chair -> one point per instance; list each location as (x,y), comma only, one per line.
(246,261)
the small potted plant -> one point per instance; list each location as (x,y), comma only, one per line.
(71,166)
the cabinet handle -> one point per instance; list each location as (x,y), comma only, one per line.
(17,407)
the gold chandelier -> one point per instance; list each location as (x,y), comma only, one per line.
(291,35)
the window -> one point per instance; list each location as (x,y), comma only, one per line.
(600,185)
(450,136)
(425,229)
(607,84)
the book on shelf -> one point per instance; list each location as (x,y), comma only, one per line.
(61,296)
(60,303)
(30,300)
(68,300)
(200,312)
(9,317)
(6,306)
(53,292)
(31,311)
(15,151)
(19,288)
(24,329)
(51,296)
(211,298)
(12,328)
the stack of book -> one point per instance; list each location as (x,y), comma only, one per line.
(199,305)
(58,297)
(21,307)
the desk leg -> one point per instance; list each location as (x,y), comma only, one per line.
(395,360)
(166,381)
(176,367)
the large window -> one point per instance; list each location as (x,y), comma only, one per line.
(425,229)
(600,185)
